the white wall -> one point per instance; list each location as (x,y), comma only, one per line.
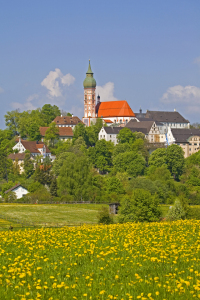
(20,192)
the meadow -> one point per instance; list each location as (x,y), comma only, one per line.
(54,214)
(51,214)
(120,261)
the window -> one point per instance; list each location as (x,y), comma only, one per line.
(120,121)
(110,136)
(195,144)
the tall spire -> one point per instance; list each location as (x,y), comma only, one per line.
(89,71)
(89,81)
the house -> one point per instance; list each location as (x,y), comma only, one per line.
(65,121)
(19,191)
(188,139)
(35,147)
(65,133)
(149,128)
(19,158)
(172,119)
(110,133)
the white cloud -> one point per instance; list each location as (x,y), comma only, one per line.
(179,94)
(1,90)
(54,82)
(106,92)
(197,61)
(27,105)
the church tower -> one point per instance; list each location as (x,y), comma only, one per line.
(89,95)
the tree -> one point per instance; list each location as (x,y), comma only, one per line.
(130,162)
(126,136)
(53,187)
(158,157)
(80,131)
(176,212)
(103,155)
(113,184)
(104,216)
(141,207)
(12,121)
(28,165)
(175,160)
(52,134)
(49,113)
(75,177)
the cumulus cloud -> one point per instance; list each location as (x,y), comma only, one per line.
(54,82)
(197,61)
(180,94)
(27,105)
(1,90)
(106,92)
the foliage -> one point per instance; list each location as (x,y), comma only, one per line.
(10,197)
(176,212)
(80,131)
(104,217)
(52,134)
(130,162)
(140,207)
(53,187)
(74,177)
(35,186)
(28,166)
(175,160)
(158,157)
(126,136)
(49,113)
(39,196)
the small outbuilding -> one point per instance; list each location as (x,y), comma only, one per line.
(114,207)
(19,191)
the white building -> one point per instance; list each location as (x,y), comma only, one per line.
(35,148)
(19,191)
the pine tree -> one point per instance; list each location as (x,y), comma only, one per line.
(53,187)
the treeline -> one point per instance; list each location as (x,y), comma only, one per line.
(88,169)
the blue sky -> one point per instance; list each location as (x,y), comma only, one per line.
(146,52)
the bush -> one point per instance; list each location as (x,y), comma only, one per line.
(176,212)
(140,207)
(35,186)
(104,217)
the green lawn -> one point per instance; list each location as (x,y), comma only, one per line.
(51,214)
(55,214)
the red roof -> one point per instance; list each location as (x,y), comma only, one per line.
(67,120)
(115,109)
(108,121)
(63,131)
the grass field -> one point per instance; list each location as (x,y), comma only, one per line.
(51,214)
(154,261)
(55,214)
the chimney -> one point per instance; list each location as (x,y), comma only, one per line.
(61,116)
(140,110)
(72,115)
(98,99)
(174,109)
(19,138)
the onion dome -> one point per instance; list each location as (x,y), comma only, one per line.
(89,81)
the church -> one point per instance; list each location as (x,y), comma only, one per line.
(110,111)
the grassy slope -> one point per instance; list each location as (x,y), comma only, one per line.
(54,214)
